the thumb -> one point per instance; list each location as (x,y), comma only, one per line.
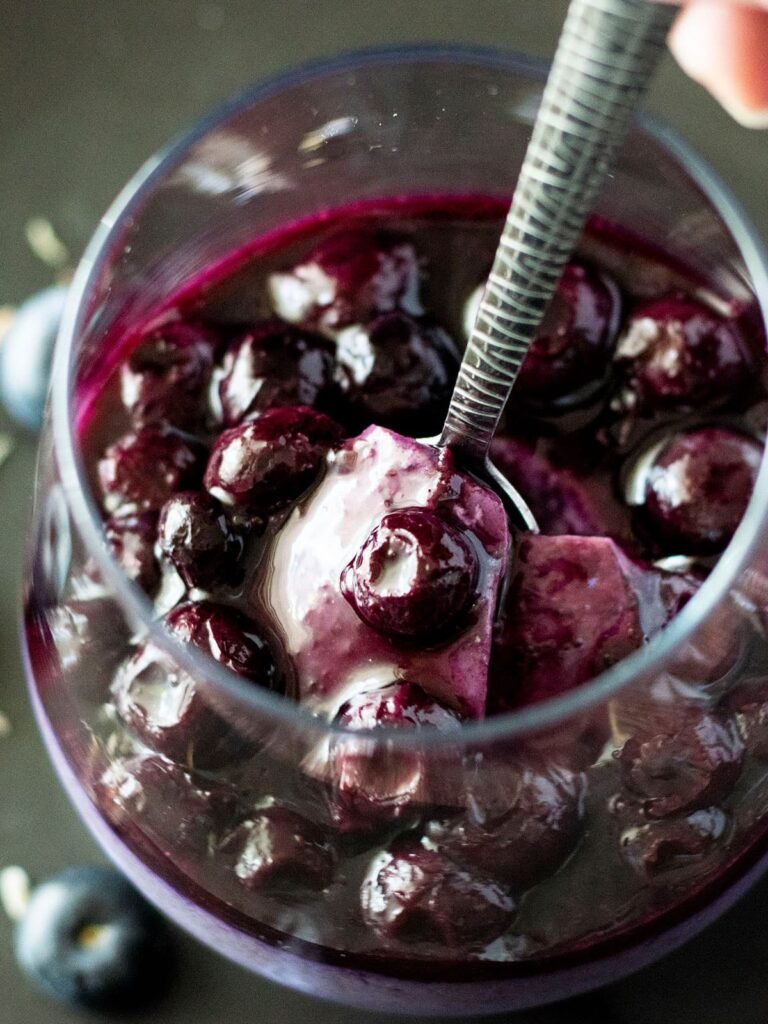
(724,46)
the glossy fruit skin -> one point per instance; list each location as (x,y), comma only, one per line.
(278,850)
(698,489)
(131,541)
(654,849)
(273,364)
(195,535)
(144,468)
(414,575)
(26,354)
(165,378)
(90,940)
(573,344)
(416,895)
(675,352)
(347,279)
(397,372)
(265,463)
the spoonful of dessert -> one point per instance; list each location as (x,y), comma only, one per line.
(606,55)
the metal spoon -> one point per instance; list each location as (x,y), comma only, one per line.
(606,55)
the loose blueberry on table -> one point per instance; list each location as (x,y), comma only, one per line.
(265,475)
(89,939)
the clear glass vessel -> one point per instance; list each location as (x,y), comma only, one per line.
(641,873)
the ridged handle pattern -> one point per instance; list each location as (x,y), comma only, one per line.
(606,55)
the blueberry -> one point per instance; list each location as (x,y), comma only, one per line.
(415,895)
(675,352)
(167,709)
(179,810)
(195,535)
(165,378)
(89,939)
(131,540)
(414,575)
(657,849)
(372,784)
(348,278)
(26,354)
(278,850)
(141,470)
(264,464)
(690,761)
(89,636)
(572,345)
(396,372)
(521,822)
(273,364)
(697,489)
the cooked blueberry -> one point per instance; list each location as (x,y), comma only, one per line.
(675,352)
(168,710)
(371,783)
(273,364)
(131,540)
(414,576)
(521,822)
(416,895)
(89,635)
(396,372)
(277,850)
(692,761)
(349,278)
(26,354)
(657,848)
(90,940)
(749,705)
(698,487)
(140,471)
(572,346)
(165,378)
(571,611)
(179,810)
(267,462)
(195,535)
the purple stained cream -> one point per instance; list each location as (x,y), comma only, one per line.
(252,449)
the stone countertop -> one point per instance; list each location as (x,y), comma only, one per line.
(89,90)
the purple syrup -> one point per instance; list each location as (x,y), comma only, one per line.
(266,519)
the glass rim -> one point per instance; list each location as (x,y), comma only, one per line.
(87,518)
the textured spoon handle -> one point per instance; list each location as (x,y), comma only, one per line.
(606,55)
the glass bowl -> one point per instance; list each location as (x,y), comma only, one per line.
(602,885)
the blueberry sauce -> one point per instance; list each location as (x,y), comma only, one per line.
(252,453)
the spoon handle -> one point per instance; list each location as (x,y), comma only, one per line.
(607,52)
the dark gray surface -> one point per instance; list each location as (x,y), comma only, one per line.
(88,89)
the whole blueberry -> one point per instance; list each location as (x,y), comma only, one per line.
(415,895)
(675,352)
(195,535)
(142,469)
(521,822)
(373,785)
(278,850)
(168,710)
(165,378)
(414,576)
(26,354)
(397,372)
(572,345)
(265,463)
(131,540)
(655,849)
(690,761)
(349,278)
(89,939)
(698,488)
(273,364)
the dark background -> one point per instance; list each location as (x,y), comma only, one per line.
(88,90)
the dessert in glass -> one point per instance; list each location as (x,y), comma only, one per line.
(304,682)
